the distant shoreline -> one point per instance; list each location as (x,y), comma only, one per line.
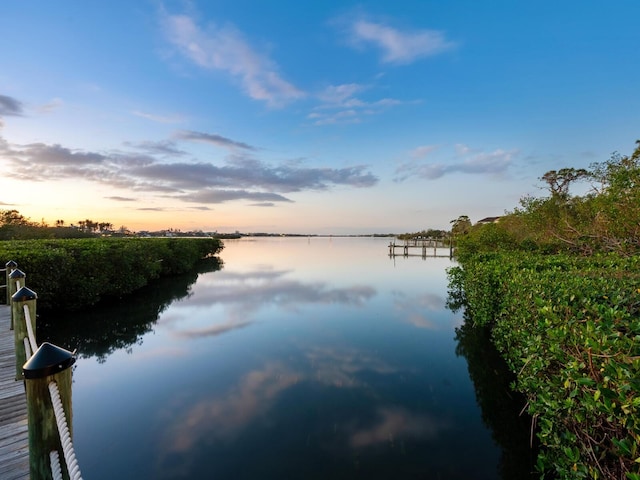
(326,235)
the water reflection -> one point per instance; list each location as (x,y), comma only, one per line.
(393,424)
(301,359)
(501,407)
(422,310)
(115,325)
(340,366)
(230,301)
(246,292)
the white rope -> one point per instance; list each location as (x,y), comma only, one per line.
(56,470)
(27,348)
(32,337)
(65,436)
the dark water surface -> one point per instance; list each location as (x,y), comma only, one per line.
(301,358)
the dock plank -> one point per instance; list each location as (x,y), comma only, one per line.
(14,431)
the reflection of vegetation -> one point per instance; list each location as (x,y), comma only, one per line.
(500,406)
(108,327)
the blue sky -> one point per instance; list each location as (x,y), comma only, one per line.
(310,117)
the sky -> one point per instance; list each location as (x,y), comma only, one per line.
(331,117)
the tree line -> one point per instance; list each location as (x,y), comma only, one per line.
(604,219)
(15,226)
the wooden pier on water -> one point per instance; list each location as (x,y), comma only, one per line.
(14,431)
(422,247)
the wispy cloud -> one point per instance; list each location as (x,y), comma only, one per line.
(222,195)
(397,46)
(422,151)
(340,105)
(164,148)
(51,106)
(226,49)
(468,161)
(237,177)
(121,199)
(212,139)
(342,95)
(57,155)
(9,106)
(159,118)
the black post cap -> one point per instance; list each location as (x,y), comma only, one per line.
(23,295)
(11,264)
(48,360)
(17,274)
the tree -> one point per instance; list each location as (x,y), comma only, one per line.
(560,180)
(13,217)
(616,221)
(460,225)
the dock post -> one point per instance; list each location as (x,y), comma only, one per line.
(49,364)
(10,266)
(15,277)
(22,297)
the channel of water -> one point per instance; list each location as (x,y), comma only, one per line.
(299,358)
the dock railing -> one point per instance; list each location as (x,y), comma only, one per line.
(424,246)
(46,371)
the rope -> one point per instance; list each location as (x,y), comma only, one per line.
(56,470)
(32,337)
(27,348)
(65,436)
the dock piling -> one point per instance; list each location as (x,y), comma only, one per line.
(50,364)
(22,297)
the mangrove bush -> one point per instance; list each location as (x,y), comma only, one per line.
(557,281)
(74,273)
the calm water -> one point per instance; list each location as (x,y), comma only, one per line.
(299,359)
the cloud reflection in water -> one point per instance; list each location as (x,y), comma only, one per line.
(421,310)
(242,295)
(225,416)
(394,423)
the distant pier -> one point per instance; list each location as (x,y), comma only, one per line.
(422,247)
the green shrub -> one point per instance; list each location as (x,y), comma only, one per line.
(75,273)
(569,327)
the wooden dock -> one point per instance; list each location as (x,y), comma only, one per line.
(423,248)
(14,432)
